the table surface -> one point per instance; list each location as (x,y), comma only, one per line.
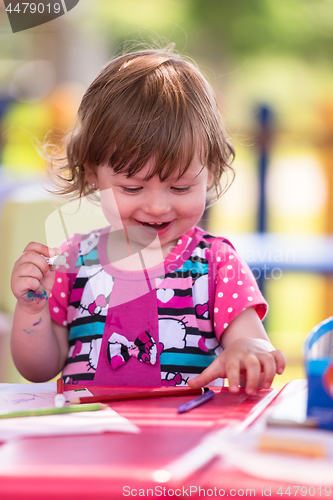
(117,465)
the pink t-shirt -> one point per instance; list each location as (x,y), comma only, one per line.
(205,286)
(236,287)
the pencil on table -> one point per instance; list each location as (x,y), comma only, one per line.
(292,446)
(153,393)
(37,412)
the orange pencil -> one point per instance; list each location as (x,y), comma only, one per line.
(153,393)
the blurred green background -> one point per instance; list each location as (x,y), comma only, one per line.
(254,53)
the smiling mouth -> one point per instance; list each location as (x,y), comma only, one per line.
(155,225)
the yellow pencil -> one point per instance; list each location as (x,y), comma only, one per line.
(53,411)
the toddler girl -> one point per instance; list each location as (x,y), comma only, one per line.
(151,299)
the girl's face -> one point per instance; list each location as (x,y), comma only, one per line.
(168,209)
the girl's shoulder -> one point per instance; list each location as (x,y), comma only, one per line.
(214,243)
(216,250)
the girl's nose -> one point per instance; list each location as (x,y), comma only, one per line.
(157,204)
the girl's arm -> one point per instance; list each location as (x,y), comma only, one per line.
(39,345)
(248,356)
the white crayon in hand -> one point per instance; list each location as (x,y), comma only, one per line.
(57,260)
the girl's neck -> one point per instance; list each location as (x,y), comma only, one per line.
(128,255)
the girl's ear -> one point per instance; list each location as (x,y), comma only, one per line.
(90,174)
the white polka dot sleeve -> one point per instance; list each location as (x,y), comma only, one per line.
(58,300)
(236,289)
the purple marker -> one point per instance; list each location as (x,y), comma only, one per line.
(206,396)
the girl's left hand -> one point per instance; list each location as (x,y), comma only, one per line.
(251,362)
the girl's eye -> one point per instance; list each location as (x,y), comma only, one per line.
(181,189)
(131,190)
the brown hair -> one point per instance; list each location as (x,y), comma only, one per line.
(150,103)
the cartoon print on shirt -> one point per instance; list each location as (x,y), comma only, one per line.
(165,294)
(172,333)
(173,379)
(92,301)
(97,306)
(95,347)
(200,296)
(88,244)
(204,344)
(70,381)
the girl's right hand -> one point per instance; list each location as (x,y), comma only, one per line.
(32,279)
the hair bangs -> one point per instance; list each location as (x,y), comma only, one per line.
(149,106)
(170,150)
(163,125)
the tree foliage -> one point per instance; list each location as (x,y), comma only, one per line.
(238,28)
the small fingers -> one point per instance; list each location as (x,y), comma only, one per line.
(280,360)
(37,253)
(196,382)
(30,261)
(233,367)
(31,270)
(259,368)
(269,369)
(40,248)
(28,285)
(268,365)
(253,370)
(212,372)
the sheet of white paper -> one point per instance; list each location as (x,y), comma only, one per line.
(20,397)
(28,400)
(89,422)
